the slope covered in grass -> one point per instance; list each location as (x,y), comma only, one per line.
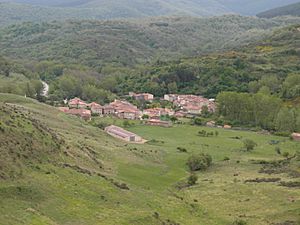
(79,182)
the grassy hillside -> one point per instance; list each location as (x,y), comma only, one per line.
(124,43)
(61,170)
(293,10)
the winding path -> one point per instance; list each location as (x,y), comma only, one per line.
(45,90)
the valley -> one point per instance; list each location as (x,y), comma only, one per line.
(48,192)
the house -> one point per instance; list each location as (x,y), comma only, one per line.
(128,114)
(93,104)
(296,136)
(154,122)
(192,109)
(97,110)
(211,124)
(77,103)
(180,114)
(108,110)
(170,97)
(227,127)
(191,104)
(142,96)
(82,113)
(125,110)
(120,133)
(63,109)
(158,112)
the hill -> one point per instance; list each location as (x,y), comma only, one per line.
(252,7)
(125,43)
(292,10)
(16,11)
(271,59)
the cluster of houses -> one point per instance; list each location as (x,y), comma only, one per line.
(191,104)
(186,104)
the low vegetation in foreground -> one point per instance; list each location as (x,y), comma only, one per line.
(84,176)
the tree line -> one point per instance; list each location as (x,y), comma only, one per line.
(259,110)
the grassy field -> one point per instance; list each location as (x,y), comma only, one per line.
(85,191)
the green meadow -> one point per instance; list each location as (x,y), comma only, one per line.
(76,183)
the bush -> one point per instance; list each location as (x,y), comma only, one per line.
(182,149)
(145,117)
(286,154)
(226,158)
(278,150)
(249,144)
(204,133)
(197,121)
(126,123)
(199,162)
(239,222)
(192,180)
(101,125)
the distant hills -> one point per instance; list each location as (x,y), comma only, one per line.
(13,11)
(293,10)
(125,43)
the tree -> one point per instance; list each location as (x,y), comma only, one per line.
(199,162)
(173,119)
(285,120)
(291,86)
(126,123)
(253,87)
(5,67)
(249,144)
(265,90)
(197,121)
(145,117)
(205,112)
(172,87)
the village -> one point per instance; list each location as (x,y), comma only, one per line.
(181,106)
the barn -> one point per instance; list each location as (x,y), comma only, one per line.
(120,133)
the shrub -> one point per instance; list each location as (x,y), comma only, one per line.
(102,125)
(199,162)
(249,144)
(182,149)
(226,158)
(173,119)
(286,154)
(239,222)
(197,121)
(126,123)
(204,133)
(145,117)
(192,180)
(278,150)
